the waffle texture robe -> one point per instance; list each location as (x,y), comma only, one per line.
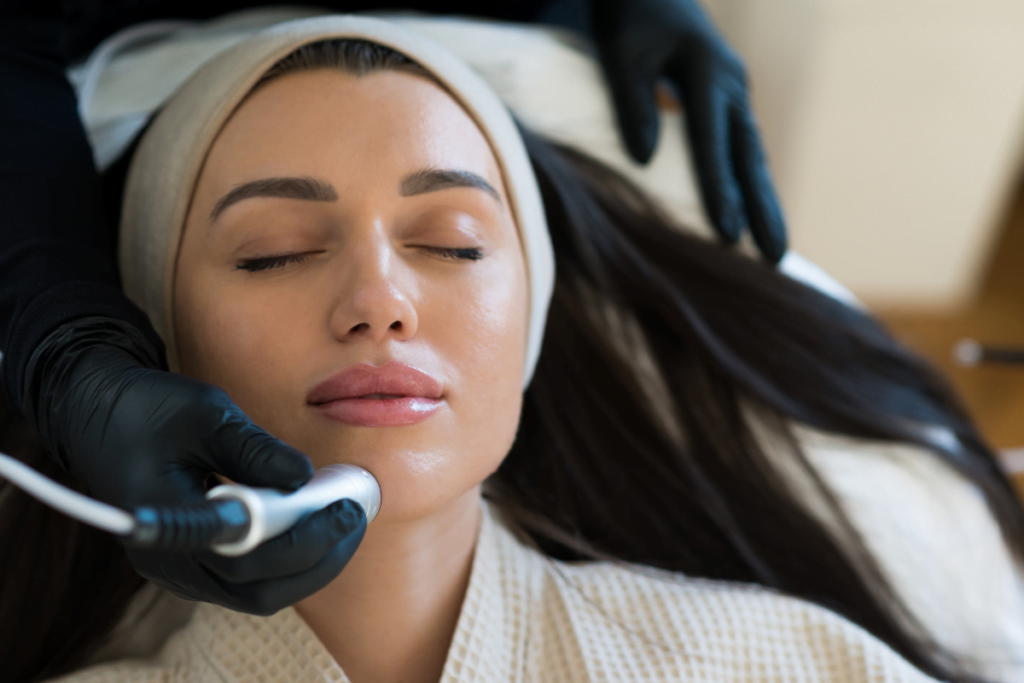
(529,618)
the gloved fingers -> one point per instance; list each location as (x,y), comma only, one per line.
(636,110)
(267,597)
(178,573)
(707,122)
(248,455)
(296,550)
(183,575)
(764,214)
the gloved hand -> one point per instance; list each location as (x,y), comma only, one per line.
(141,436)
(640,41)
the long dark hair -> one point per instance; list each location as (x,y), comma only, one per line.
(636,442)
(63,585)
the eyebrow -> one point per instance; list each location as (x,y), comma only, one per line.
(288,188)
(311,189)
(434,179)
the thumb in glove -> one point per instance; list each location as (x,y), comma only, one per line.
(141,436)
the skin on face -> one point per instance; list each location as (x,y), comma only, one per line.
(368,276)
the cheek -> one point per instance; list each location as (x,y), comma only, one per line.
(245,345)
(476,331)
(484,333)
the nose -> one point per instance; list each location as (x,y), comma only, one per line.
(374,303)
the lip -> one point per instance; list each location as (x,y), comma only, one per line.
(411,396)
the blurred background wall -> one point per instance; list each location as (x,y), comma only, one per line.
(895,130)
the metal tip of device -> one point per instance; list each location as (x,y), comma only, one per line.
(373,498)
(365,489)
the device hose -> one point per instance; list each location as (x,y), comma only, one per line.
(232,521)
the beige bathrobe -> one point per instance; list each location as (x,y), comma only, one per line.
(529,618)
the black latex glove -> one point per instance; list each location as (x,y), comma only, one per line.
(642,41)
(141,436)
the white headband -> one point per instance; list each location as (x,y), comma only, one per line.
(166,165)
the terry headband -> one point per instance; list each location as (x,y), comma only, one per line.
(170,156)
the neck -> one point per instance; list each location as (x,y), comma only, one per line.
(391,614)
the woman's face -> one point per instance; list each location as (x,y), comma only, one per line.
(351,274)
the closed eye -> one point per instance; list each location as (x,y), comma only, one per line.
(255,265)
(464,254)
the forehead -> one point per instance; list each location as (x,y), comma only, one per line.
(331,122)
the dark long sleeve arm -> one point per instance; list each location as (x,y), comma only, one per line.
(56,251)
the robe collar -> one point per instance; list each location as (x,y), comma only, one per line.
(489,644)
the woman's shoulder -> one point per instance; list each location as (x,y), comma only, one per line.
(628,619)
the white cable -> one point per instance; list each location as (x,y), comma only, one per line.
(71,503)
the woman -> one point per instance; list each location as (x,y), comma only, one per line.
(352,244)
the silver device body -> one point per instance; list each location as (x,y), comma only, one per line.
(272,512)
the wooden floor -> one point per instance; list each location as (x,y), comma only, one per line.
(994,394)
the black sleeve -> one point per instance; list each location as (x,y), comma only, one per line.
(56,252)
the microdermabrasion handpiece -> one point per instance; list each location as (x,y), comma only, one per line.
(271,512)
(232,521)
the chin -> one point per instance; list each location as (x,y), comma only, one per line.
(416,483)
(422,469)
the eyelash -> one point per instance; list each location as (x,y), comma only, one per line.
(467,254)
(256,265)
